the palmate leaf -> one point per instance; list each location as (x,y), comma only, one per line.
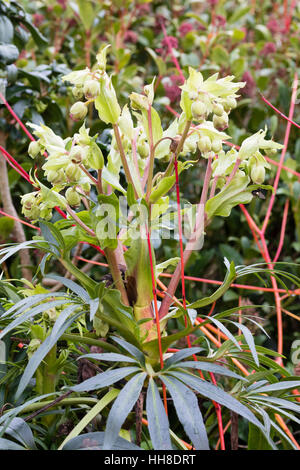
(60,326)
(215,393)
(105,379)
(158,423)
(121,408)
(188,412)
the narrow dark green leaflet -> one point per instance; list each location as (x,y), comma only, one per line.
(73,286)
(111,357)
(60,326)
(283,385)
(215,393)
(180,355)
(135,352)
(188,412)
(208,366)
(249,340)
(158,423)
(121,408)
(230,276)
(104,379)
(32,313)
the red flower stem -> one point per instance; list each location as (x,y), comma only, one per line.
(282,231)
(285,144)
(29,135)
(15,165)
(270,160)
(279,112)
(219,415)
(19,220)
(249,218)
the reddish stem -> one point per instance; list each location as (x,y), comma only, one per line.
(282,231)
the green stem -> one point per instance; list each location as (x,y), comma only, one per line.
(66,402)
(116,274)
(76,338)
(49,379)
(86,281)
(152,156)
(123,158)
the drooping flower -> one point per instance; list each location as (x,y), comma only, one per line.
(185,28)
(131,36)
(171,86)
(269,48)
(249,88)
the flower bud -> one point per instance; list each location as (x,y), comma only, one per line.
(72,172)
(76,155)
(33,346)
(216,145)
(204,144)
(86,187)
(28,201)
(72,197)
(258,174)
(220,122)
(34,149)
(143,149)
(198,109)
(138,102)
(78,111)
(77,92)
(217,109)
(126,124)
(50,314)
(91,89)
(31,214)
(56,176)
(229,104)
(190,146)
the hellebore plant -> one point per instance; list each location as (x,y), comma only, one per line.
(118,202)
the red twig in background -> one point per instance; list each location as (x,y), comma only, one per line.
(170,48)
(278,112)
(16,117)
(282,231)
(15,165)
